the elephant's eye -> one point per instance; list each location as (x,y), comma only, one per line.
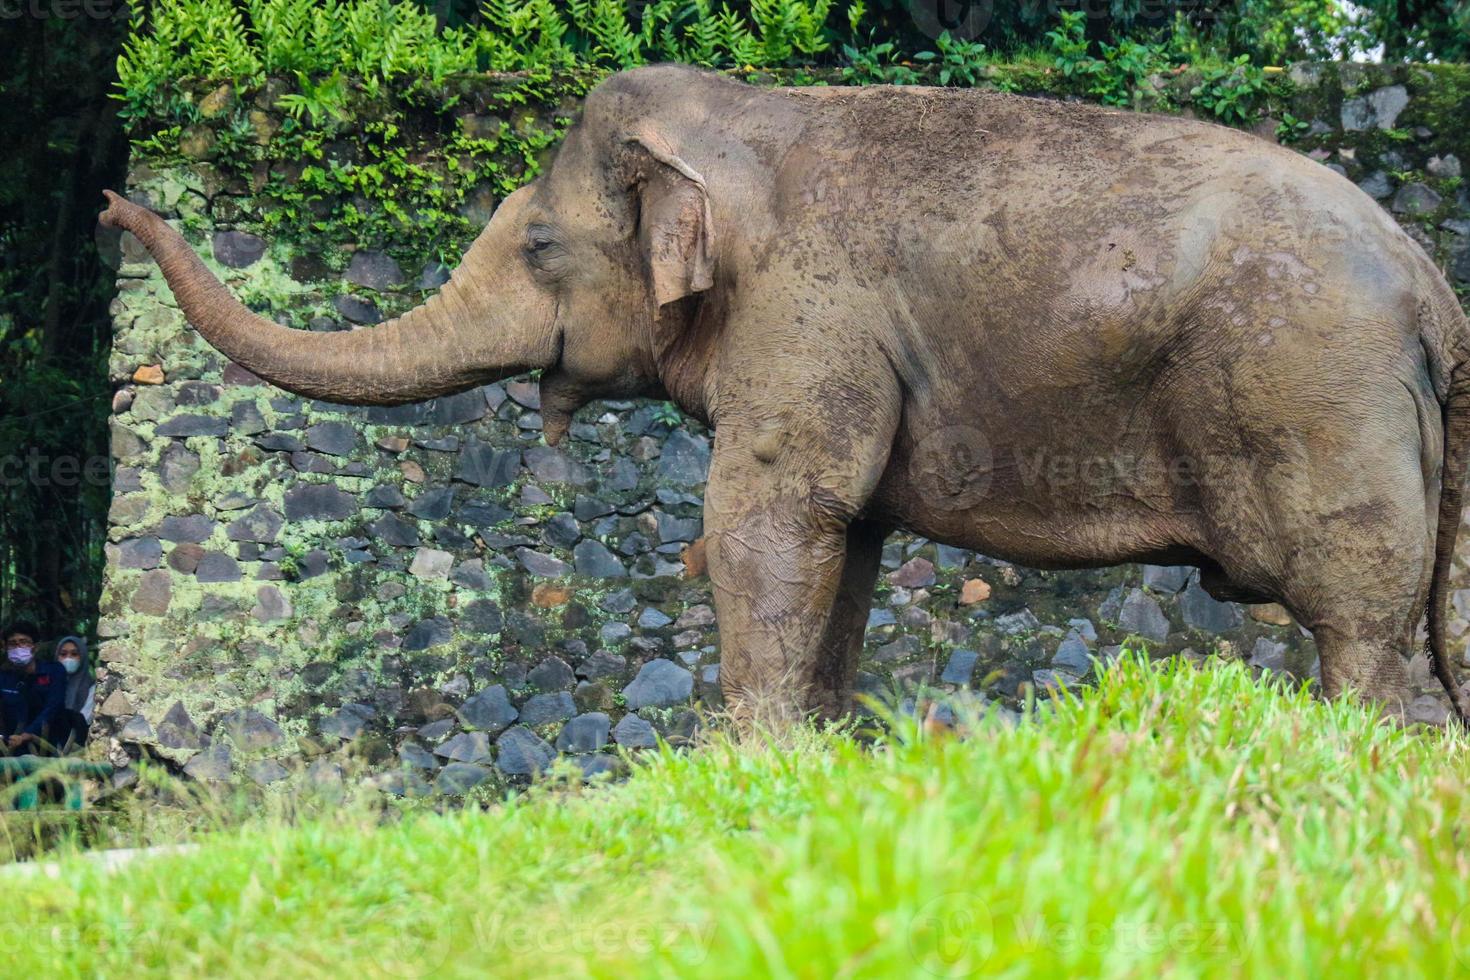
(540,244)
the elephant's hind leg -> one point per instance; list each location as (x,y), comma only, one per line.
(1358,582)
(1330,506)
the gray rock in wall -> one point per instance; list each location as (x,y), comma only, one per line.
(357,310)
(459,778)
(584,733)
(1377,110)
(489,711)
(187,426)
(543,709)
(960,668)
(486,466)
(261,525)
(192,528)
(521,752)
(332,438)
(177,467)
(216,567)
(659,683)
(271,605)
(685,459)
(433,504)
(1377,185)
(319,502)
(466,747)
(1268,654)
(237,249)
(153,594)
(415,756)
(375,270)
(177,730)
(214,764)
(595,561)
(543,565)
(429,633)
(1073,655)
(1202,612)
(139,553)
(632,732)
(1142,615)
(250,730)
(1166,579)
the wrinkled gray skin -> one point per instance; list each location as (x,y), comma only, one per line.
(1054,333)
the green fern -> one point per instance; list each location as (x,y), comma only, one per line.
(610,41)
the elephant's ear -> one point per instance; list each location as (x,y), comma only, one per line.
(673,220)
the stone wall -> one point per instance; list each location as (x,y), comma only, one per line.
(296,588)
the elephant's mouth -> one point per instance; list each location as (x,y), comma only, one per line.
(560,395)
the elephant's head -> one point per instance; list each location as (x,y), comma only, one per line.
(579,274)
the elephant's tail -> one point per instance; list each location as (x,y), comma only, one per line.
(1444,327)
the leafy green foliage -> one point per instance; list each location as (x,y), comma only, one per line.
(1120,76)
(1404,30)
(876,64)
(958,61)
(1232,91)
(1069,45)
(392,184)
(319,101)
(1270,32)
(384,44)
(667,413)
(1291,128)
(361,49)
(243,42)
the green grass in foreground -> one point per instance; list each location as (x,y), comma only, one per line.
(1174,820)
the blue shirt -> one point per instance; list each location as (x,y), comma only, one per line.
(29,701)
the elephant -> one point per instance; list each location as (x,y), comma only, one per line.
(1055,333)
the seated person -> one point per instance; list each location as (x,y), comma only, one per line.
(69,727)
(31,693)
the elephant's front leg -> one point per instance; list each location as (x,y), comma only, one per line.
(782,498)
(847,621)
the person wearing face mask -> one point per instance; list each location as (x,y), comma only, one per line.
(70,725)
(31,693)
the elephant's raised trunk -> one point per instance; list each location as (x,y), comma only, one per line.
(469,333)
